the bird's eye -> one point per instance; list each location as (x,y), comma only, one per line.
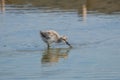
(49,32)
(64,39)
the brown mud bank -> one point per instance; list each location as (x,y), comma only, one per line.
(105,6)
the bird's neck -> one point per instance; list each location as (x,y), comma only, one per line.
(59,40)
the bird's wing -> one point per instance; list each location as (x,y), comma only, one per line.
(55,34)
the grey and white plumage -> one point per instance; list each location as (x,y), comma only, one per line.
(51,36)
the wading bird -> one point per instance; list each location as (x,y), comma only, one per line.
(51,36)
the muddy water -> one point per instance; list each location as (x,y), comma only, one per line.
(95,38)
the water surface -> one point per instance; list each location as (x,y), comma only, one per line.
(95,39)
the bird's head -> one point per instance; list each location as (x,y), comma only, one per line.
(64,39)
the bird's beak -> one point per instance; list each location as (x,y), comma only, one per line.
(68,43)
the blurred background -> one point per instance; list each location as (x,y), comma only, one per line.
(92,28)
(105,6)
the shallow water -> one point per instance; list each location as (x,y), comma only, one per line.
(23,55)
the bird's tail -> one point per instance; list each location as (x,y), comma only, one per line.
(42,34)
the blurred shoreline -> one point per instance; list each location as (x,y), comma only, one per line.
(104,6)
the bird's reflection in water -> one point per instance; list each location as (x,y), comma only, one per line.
(53,55)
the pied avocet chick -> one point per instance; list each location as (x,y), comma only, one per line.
(51,36)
